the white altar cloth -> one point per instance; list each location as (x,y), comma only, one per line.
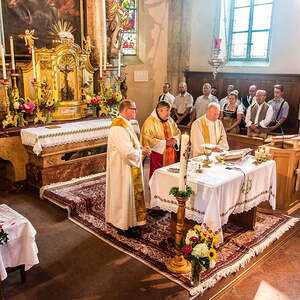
(43,137)
(219,192)
(21,248)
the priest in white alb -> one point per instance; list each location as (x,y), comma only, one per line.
(208,129)
(161,134)
(124,206)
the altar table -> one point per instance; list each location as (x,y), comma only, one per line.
(21,248)
(219,191)
(52,135)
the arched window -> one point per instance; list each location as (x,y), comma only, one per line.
(129,43)
(250,30)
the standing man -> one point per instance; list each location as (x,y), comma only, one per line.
(208,129)
(251,98)
(162,135)
(166,95)
(280,109)
(202,102)
(182,106)
(258,116)
(124,205)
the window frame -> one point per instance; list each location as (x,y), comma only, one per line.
(249,31)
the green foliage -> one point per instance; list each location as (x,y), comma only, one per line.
(3,237)
(182,194)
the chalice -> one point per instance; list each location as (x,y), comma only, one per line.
(207,162)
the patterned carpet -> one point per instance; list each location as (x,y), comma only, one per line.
(84,199)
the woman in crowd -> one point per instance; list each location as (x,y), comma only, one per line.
(232,113)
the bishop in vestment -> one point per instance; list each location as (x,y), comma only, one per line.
(124,205)
(208,129)
(162,135)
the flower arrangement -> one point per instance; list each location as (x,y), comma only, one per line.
(182,194)
(109,101)
(3,236)
(200,247)
(48,104)
(23,105)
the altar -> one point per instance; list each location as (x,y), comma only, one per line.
(59,153)
(220,191)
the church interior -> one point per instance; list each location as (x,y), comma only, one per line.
(213,117)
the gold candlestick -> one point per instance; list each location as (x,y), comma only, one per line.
(9,119)
(38,114)
(179,264)
(15,90)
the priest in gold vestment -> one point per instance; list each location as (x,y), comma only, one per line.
(161,134)
(208,129)
(124,205)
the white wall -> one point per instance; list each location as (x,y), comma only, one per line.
(285,43)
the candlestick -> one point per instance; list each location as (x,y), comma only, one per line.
(119,64)
(100,63)
(104,33)
(217,43)
(33,63)
(183,161)
(3,62)
(12,53)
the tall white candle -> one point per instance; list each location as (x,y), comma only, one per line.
(3,62)
(12,53)
(98,39)
(183,161)
(33,62)
(103,6)
(100,62)
(119,64)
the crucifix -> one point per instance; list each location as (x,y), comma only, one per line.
(66,91)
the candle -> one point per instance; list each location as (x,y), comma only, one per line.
(100,63)
(104,33)
(183,161)
(33,63)
(217,43)
(119,64)
(12,53)
(3,62)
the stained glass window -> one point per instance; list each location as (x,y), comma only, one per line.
(129,28)
(250,27)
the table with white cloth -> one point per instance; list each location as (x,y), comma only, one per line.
(54,135)
(220,191)
(21,248)
(62,152)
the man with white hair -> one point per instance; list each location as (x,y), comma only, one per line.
(208,129)
(259,116)
(250,99)
(182,105)
(202,102)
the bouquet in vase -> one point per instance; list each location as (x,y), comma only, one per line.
(110,101)
(200,248)
(23,105)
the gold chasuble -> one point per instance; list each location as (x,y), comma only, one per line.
(154,134)
(135,173)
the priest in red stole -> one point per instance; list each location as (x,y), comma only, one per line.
(162,135)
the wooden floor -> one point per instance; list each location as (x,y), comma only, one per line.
(74,264)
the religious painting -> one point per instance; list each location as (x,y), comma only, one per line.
(129,28)
(38,16)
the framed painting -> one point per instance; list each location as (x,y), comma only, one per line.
(19,15)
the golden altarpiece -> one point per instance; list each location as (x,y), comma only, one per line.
(62,71)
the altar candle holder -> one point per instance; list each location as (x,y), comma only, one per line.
(9,118)
(15,90)
(39,116)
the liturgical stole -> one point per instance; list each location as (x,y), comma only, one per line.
(136,174)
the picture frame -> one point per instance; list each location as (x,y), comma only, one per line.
(18,15)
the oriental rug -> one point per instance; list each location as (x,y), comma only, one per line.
(84,198)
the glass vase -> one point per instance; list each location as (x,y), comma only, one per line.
(196,269)
(48,116)
(21,121)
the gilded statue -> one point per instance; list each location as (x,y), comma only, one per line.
(117,16)
(87,44)
(29,38)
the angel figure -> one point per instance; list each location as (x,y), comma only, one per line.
(28,38)
(88,44)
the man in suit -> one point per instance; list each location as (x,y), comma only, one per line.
(250,99)
(166,95)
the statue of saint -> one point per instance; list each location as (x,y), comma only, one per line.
(117,16)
